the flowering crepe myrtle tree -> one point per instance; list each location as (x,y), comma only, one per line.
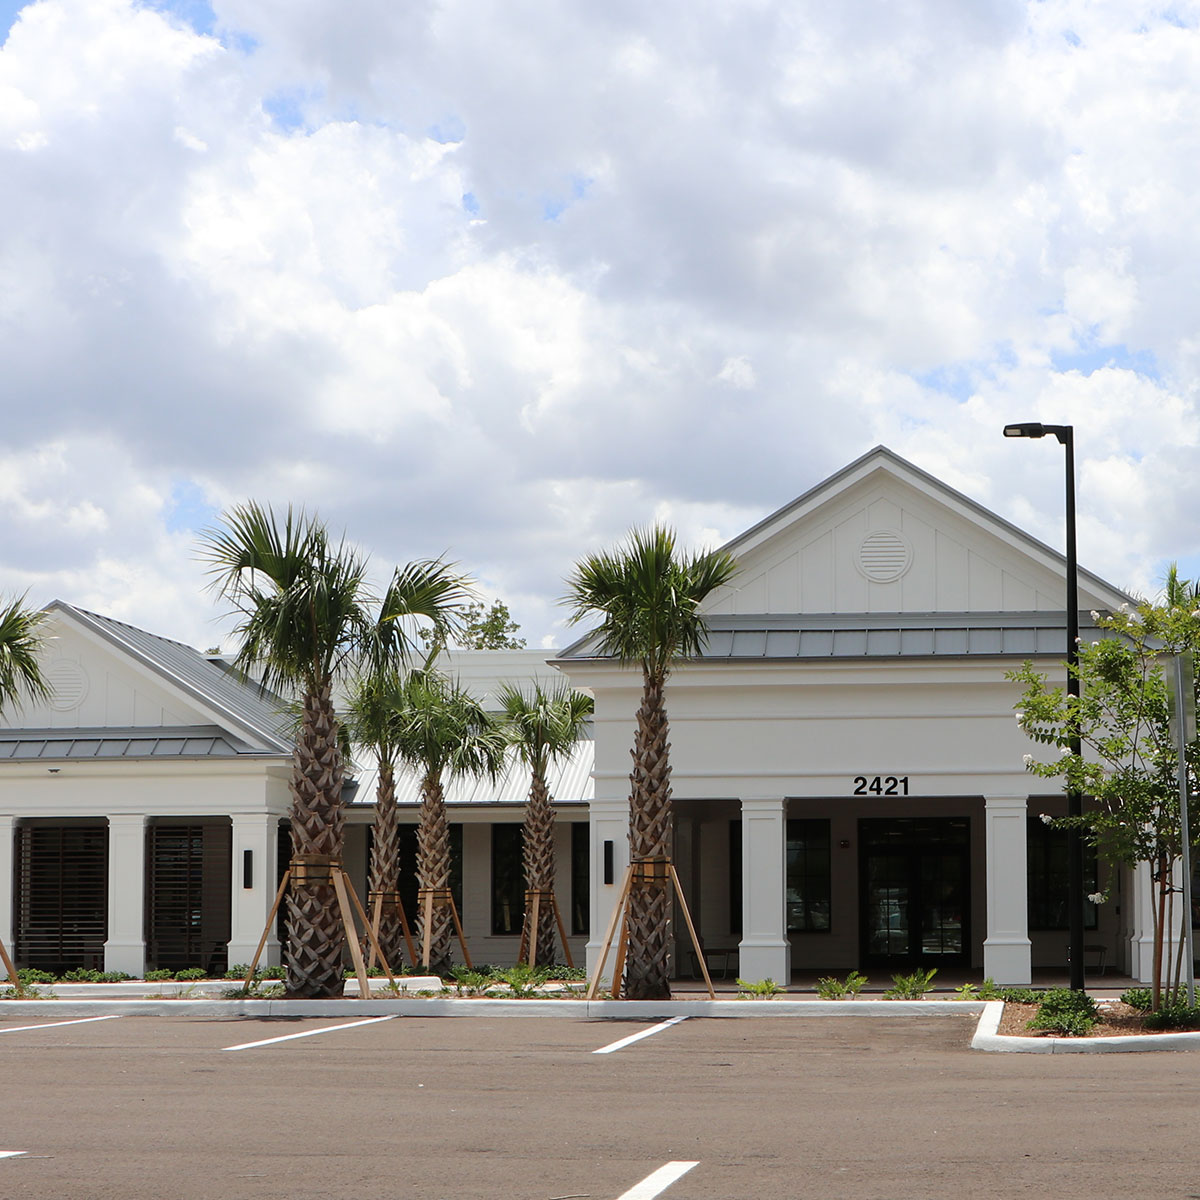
(1127,763)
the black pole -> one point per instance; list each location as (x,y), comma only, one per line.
(1066,435)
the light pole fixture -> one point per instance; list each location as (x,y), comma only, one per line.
(1066,437)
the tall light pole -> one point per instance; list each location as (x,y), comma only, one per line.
(1066,437)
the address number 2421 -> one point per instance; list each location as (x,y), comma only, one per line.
(881,785)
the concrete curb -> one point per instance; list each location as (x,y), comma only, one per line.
(986,1038)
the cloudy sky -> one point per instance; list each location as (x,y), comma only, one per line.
(502,279)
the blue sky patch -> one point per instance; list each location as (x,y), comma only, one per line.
(449,129)
(470,203)
(1093,358)
(9,11)
(953,379)
(553,207)
(188,510)
(285,109)
(197,13)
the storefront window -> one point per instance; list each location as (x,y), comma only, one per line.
(1046,848)
(808,891)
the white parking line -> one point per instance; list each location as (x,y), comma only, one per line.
(54,1024)
(11,1153)
(657,1183)
(289,1037)
(637,1037)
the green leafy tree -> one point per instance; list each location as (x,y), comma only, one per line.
(1128,762)
(481,628)
(543,725)
(442,732)
(647,597)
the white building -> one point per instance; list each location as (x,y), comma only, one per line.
(847,771)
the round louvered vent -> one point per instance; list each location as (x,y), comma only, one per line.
(884,555)
(69,684)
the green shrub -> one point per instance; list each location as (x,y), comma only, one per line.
(188,974)
(831,988)
(157,976)
(113,977)
(1174,1014)
(761,989)
(1138,997)
(1065,1011)
(273,972)
(238,971)
(81,975)
(33,975)
(911,987)
(1019,995)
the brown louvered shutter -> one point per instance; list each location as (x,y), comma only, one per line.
(62,895)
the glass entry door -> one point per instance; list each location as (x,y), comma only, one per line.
(915,890)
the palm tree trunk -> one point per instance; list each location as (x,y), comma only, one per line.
(538,858)
(647,960)
(314,927)
(385,864)
(433,870)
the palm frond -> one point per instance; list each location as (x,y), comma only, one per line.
(302,598)
(21,645)
(648,597)
(543,724)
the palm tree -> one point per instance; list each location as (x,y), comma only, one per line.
(21,644)
(648,600)
(443,732)
(543,726)
(429,590)
(302,601)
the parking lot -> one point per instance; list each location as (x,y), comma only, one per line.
(525,1108)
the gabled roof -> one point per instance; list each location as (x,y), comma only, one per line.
(816,552)
(254,712)
(881,456)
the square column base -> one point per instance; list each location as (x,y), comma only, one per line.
(1008,961)
(129,957)
(765,960)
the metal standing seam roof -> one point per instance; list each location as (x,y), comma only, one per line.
(570,780)
(257,712)
(174,742)
(881,636)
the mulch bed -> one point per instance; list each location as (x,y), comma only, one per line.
(1119,1020)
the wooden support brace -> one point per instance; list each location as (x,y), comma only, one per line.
(10,967)
(376,948)
(606,945)
(262,941)
(687,916)
(339,887)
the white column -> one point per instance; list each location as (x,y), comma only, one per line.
(609,821)
(1007,956)
(257,835)
(764,951)
(125,949)
(8,833)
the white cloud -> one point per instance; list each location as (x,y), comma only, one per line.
(467,280)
